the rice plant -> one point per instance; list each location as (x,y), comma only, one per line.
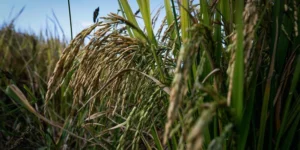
(27,62)
(218,74)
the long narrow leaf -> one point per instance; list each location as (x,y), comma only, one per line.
(184,19)
(144,6)
(238,74)
(130,16)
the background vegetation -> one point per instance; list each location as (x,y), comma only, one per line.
(216,74)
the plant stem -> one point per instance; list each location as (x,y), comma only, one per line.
(70,18)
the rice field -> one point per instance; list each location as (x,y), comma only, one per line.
(212,74)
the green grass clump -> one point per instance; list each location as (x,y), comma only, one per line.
(26,61)
(215,75)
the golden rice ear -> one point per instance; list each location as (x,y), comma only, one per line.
(65,63)
(179,86)
(250,17)
(107,53)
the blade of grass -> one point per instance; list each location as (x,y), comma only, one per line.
(155,135)
(247,116)
(291,133)
(225,11)
(238,74)
(176,24)
(124,15)
(267,93)
(294,82)
(184,19)
(15,93)
(204,12)
(217,37)
(144,6)
(226,18)
(170,16)
(70,18)
(130,16)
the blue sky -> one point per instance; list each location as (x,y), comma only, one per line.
(36,15)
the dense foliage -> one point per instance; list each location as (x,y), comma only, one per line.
(217,74)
